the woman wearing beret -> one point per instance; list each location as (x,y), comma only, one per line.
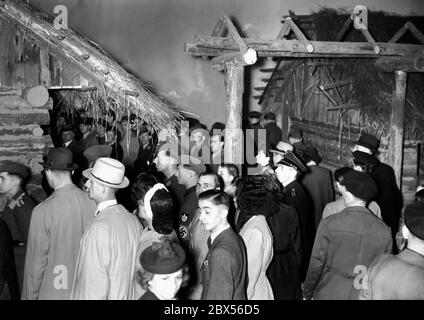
(162,274)
(255,203)
(155,211)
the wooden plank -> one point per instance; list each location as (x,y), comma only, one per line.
(344,107)
(397,121)
(398,35)
(45,76)
(417,33)
(284,47)
(219,27)
(344,29)
(299,34)
(234,88)
(234,33)
(336,84)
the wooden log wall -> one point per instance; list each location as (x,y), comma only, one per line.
(326,139)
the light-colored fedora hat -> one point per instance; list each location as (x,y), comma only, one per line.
(109,172)
(282,147)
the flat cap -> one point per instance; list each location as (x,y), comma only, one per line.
(291,160)
(414,219)
(15,168)
(193,164)
(362,185)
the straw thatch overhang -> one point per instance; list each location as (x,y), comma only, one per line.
(123,92)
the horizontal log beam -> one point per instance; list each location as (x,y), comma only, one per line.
(343,107)
(214,46)
(407,64)
(237,58)
(336,84)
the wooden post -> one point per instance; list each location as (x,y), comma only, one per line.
(397,125)
(234,88)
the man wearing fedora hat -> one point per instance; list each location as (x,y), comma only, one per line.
(400,277)
(346,243)
(107,256)
(57,225)
(317,182)
(389,197)
(18,209)
(288,171)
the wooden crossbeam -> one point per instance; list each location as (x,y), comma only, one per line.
(398,35)
(299,34)
(344,29)
(328,96)
(285,31)
(371,40)
(213,46)
(336,85)
(343,107)
(234,33)
(417,33)
(407,64)
(219,27)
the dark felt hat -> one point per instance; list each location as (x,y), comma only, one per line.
(269,116)
(59,159)
(254,114)
(163,257)
(291,160)
(309,153)
(360,184)
(369,141)
(414,218)
(15,168)
(67,127)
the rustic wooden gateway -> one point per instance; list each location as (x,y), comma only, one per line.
(37,59)
(313,85)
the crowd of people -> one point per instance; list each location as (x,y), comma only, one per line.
(126,218)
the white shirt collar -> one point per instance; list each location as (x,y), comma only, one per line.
(103,205)
(68,143)
(217,232)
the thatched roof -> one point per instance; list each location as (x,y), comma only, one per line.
(121,91)
(372,89)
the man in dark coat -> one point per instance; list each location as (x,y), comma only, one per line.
(400,277)
(283,271)
(88,138)
(346,243)
(389,197)
(224,271)
(317,182)
(18,210)
(288,171)
(273,132)
(9,288)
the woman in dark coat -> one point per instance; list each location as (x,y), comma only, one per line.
(284,271)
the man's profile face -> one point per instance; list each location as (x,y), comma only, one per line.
(205,183)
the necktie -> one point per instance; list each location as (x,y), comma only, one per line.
(209,242)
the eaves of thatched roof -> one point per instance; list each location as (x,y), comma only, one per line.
(128,92)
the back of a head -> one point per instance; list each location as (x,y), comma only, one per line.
(340,172)
(162,205)
(141,185)
(232,169)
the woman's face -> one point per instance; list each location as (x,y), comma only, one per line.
(167,285)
